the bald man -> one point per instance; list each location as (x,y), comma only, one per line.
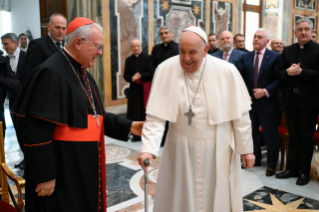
(228,53)
(206,135)
(277,45)
(136,73)
(39,50)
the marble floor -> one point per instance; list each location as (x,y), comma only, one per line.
(125,180)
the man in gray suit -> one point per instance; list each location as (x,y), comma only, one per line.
(228,53)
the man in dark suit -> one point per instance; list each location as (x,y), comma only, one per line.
(229,53)
(299,78)
(259,71)
(213,44)
(39,50)
(160,53)
(136,74)
(17,59)
(239,41)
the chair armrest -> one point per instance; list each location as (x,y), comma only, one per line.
(19,181)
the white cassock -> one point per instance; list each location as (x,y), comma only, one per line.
(200,168)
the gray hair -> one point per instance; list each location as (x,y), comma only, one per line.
(165,27)
(56,14)
(266,32)
(304,20)
(224,32)
(82,32)
(13,37)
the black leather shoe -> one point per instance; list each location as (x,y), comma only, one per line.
(17,165)
(270,172)
(287,174)
(303,179)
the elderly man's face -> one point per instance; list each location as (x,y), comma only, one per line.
(57,28)
(314,37)
(212,41)
(303,33)
(276,45)
(240,42)
(136,47)
(260,41)
(192,51)
(9,46)
(91,48)
(165,35)
(23,41)
(226,39)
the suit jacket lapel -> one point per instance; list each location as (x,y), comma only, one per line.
(264,62)
(51,45)
(232,56)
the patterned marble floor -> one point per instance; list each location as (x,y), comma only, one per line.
(125,180)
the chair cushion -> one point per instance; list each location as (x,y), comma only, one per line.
(316,136)
(6,207)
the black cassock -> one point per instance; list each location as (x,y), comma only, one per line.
(135,104)
(53,100)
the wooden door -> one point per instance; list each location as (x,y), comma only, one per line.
(49,7)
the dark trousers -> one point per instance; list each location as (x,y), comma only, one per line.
(269,124)
(18,126)
(301,126)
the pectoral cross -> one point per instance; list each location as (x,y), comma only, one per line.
(96,116)
(190,115)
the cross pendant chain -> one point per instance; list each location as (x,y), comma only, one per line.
(96,116)
(190,115)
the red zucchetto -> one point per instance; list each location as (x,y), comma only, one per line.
(78,22)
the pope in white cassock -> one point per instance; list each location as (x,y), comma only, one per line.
(206,102)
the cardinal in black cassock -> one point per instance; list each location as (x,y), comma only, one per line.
(65,124)
(136,74)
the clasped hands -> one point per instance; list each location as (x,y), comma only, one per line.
(136,76)
(294,70)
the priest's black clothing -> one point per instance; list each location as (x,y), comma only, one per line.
(54,104)
(135,101)
(300,99)
(160,53)
(212,51)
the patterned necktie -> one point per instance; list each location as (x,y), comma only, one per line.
(58,44)
(226,56)
(256,69)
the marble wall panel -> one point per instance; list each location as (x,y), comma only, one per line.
(271,24)
(222,18)
(306,4)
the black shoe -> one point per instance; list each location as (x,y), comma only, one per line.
(270,172)
(136,138)
(287,174)
(17,165)
(303,179)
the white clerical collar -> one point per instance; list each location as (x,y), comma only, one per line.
(302,47)
(54,41)
(137,55)
(24,49)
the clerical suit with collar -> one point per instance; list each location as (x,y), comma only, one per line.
(264,110)
(39,50)
(212,51)
(300,99)
(200,166)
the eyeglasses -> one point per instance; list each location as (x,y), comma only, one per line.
(99,47)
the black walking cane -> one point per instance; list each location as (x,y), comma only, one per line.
(146,164)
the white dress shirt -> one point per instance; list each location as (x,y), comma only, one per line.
(14,58)
(227,53)
(61,45)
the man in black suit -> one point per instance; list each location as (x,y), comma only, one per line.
(259,71)
(136,74)
(213,43)
(239,41)
(299,78)
(17,59)
(39,50)
(160,53)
